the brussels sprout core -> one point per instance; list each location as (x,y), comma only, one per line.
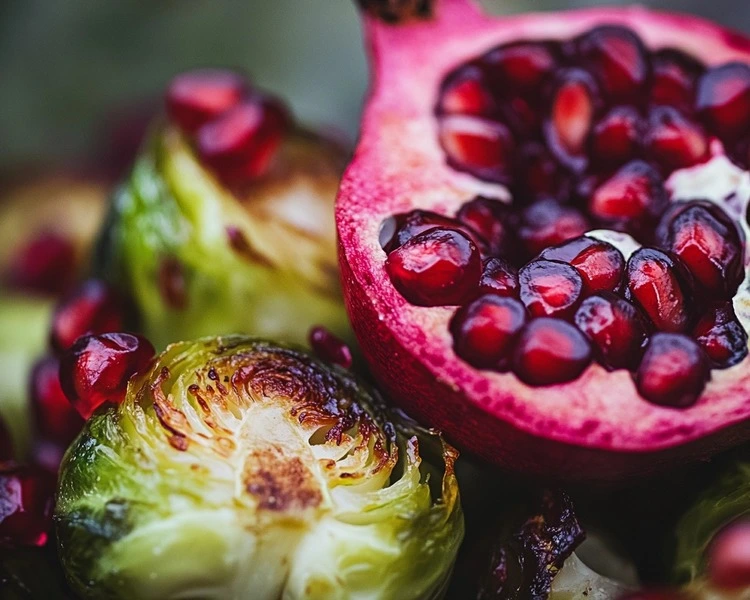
(237,469)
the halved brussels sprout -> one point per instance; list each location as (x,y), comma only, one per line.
(201,259)
(240,469)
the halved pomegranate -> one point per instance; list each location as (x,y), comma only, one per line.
(631,354)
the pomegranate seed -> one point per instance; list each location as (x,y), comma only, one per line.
(55,419)
(241,143)
(674,141)
(330,348)
(634,195)
(172,283)
(44,265)
(721,336)
(550,351)
(728,564)
(490,220)
(723,100)
(573,109)
(96,370)
(26,501)
(6,443)
(485,330)
(478,146)
(550,288)
(674,79)
(93,307)
(196,97)
(438,267)
(398,229)
(618,59)
(616,137)
(522,116)
(659,285)
(538,175)
(673,371)
(547,223)
(615,327)
(499,277)
(708,243)
(521,67)
(465,92)
(600,264)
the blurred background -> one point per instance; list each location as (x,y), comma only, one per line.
(67,66)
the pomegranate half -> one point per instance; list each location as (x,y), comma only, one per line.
(488,147)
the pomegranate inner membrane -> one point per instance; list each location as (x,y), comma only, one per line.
(586,134)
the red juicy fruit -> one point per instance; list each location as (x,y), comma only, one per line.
(547,222)
(465,92)
(721,336)
(499,277)
(723,100)
(550,289)
(728,563)
(55,420)
(522,67)
(26,501)
(673,141)
(398,229)
(538,175)
(45,265)
(196,97)
(478,146)
(600,265)
(674,78)
(491,220)
(329,347)
(616,137)
(97,368)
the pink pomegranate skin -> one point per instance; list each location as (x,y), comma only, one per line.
(596,428)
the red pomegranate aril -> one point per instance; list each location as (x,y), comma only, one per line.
(708,243)
(599,263)
(521,66)
(618,59)
(465,92)
(673,141)
(616,137)
(55,419)
(330,348)
(547,222)
(93,307)
(728,562)
(26,501)
(538,175)
(523,118)
(438,267)
(721,335)
(723,100)
(550,288)
(398,229)
(673,79)
(96,370)
(659,284)
(44,265)
(550,351)
(499,277)
(673,372)
(615,327)
(6,443)
(485,330)
(196,97)
(481,147)
(492,221)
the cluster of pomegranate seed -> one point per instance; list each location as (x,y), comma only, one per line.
(235,129)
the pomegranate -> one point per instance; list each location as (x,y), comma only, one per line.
(728,562)
(26,501)
(631,355)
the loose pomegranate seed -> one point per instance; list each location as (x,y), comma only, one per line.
(723,100)
(674,79)
(538,175)
(6,443)
(55,419)
(491,220)
(573,110)
(196,97)
(728,564)
(438,267)
(660,286)
(478,146)
(615,327)
(465,92)
(600,265)
(550,351)
(44,265)
(26,500)
(398,229)
(634,195)
(241,143)
(93,307)
(330,348)
(521,67)
(616,137)
(499,277)
(547,222)
(96,370)
(721,336)
(550,288)
(485,330)
(673,141)
(673,371)
(618,59)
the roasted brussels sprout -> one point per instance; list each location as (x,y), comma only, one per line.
(235,468)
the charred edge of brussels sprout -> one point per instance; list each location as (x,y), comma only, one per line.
(398,11)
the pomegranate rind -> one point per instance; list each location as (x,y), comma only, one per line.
(594,428)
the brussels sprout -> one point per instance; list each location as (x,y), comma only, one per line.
(239,469)
(201,259)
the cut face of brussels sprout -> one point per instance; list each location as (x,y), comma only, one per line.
(201,259)
(237,469)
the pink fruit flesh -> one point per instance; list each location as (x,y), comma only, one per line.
(550,289)
(26,501)
(196,97)
(499,277)
(55,420)
(728,565)
(330,348)
(600,264)
(44,265)
(721,336)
